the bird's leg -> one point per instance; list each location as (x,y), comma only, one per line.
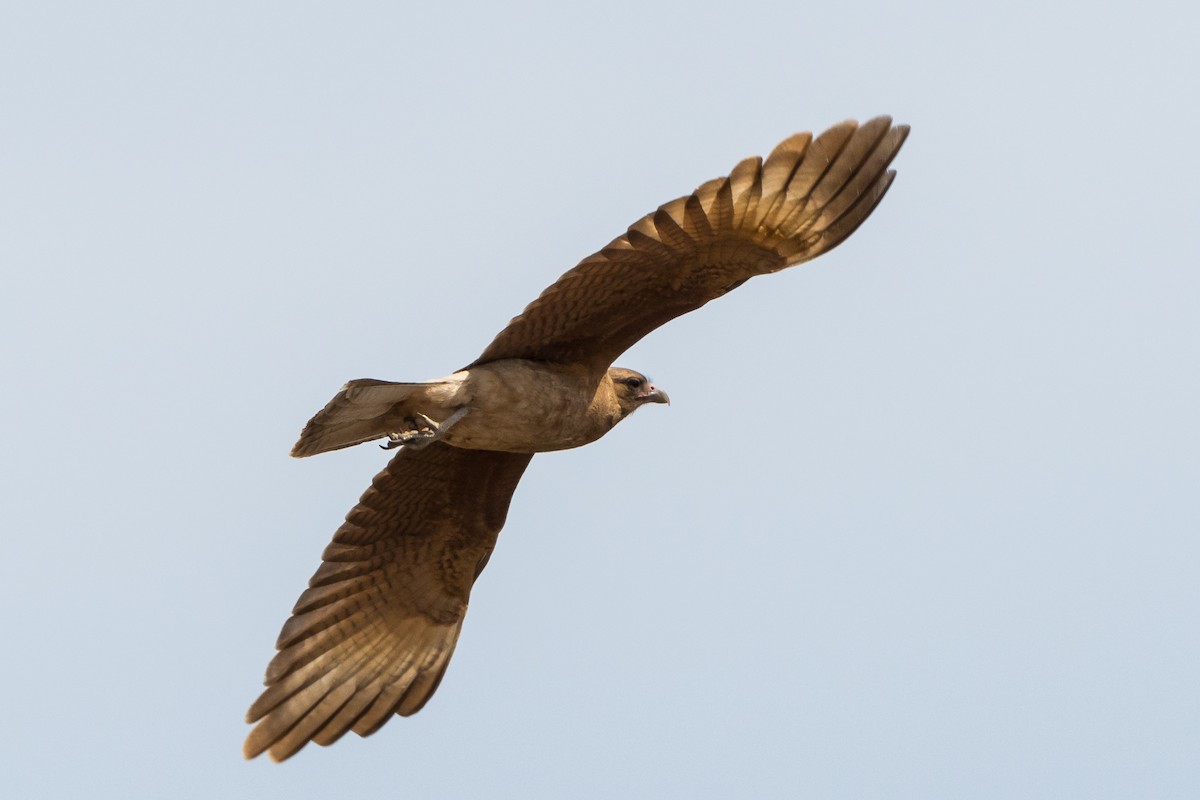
(422,430)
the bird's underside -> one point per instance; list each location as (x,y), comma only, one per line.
(373,633)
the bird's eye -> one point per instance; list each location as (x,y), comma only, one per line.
(633,383)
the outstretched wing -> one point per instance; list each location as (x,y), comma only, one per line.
(807,197)
(375,630)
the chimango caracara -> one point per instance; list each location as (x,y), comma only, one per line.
(373,633)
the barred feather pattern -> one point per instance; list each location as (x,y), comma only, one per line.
(375,630)
(804,200)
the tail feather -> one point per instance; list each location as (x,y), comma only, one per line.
(363,410)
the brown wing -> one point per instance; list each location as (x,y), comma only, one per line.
(805,200)
(375,630)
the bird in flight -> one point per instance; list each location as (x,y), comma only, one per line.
(374,631)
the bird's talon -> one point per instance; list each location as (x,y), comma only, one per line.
(430,424)
(422,430)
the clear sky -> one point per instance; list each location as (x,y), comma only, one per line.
(923,520)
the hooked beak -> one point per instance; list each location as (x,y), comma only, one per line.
(655,395)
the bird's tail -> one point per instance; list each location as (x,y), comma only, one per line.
(363,410)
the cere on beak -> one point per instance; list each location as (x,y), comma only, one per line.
(654,395)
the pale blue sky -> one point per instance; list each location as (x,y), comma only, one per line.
(922,522)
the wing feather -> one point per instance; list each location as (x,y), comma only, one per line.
(745,185)
(374,632)
(804,200)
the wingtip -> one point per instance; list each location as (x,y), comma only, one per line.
(278,749)
(887,121)
(279,758)
(251,749)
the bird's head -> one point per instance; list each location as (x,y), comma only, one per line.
(634,389)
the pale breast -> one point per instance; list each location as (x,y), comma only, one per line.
(529,407)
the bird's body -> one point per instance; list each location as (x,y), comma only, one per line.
(513,405)
(520,406)
(372,635)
